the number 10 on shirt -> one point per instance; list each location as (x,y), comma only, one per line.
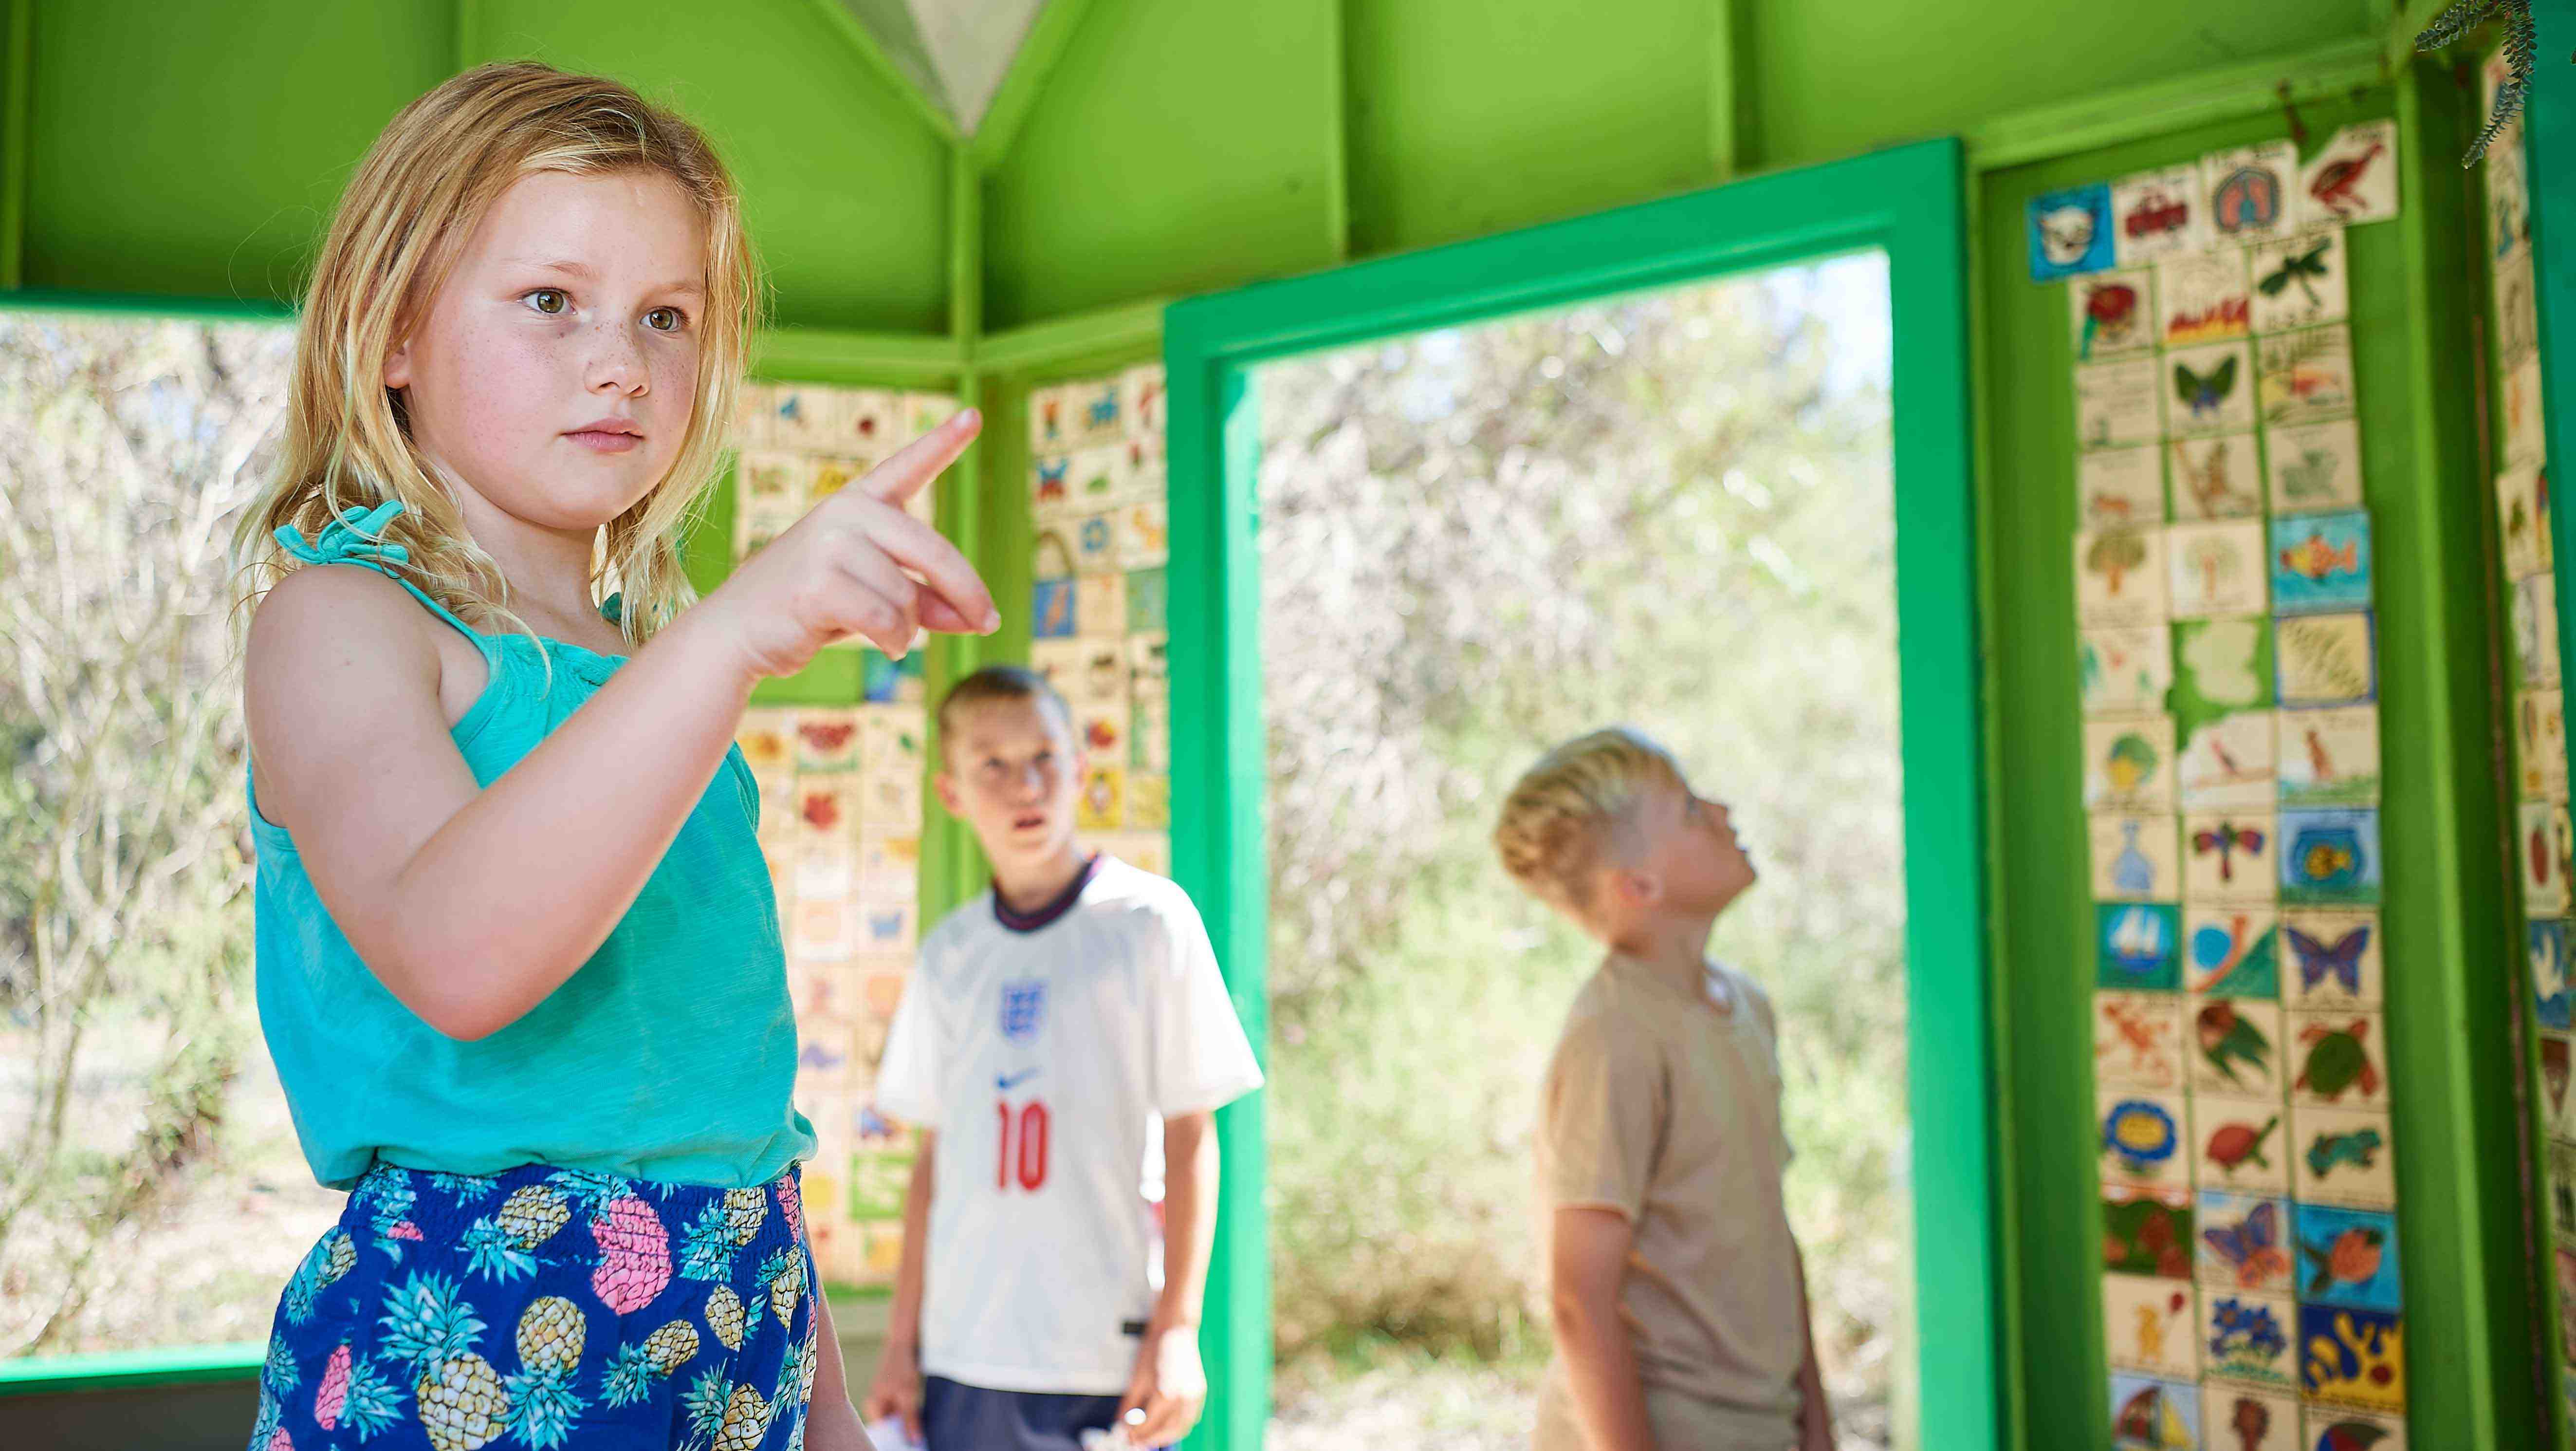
(1023,1146)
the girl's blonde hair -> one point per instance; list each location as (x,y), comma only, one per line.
(394,239)
(1573,807)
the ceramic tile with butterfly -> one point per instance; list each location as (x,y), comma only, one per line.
(2235,1046)
(2121,578)
(2151,1325)
(2216,478)
(2331,959)
(2545,947)
(2342,1156)
(2138,1040)
(2124,671)
(2246,190)
(2328,755)
(2120,488)
(2227,857)
(2324,660)
(2338,1059)
(2353,1358)
(2231,952)
(2147,1232)
(2149,1413)
(2313,466)
(2203,297)
(2135,944)
(2246,1339)
(2244,1241)
(2207,390)
(2306,375)
(2215,569)
(2352,179)
(2128,763)
(2330,856)
(2299,281)
(2113,314)
(2134,858)
(2348,1257)
(2157,214)
(2540,736)
(2321,563)
(2534,604)
(2238,1144)
(2116,403)
(2522,517)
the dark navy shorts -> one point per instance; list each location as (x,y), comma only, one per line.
(970,1418)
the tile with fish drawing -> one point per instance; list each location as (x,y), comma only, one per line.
(2324,660)
(2246,190)
(2121,578)
(2240,1144)
(2227,857)
(2330,959)
(2215,569)
(2231,952)
(2069,231)
(2245,1339)
(2330,856)
(2215,478)
(2299,281)
(2112,313)
(2342,1156)
(2203,297)
(2116,403)
(2328,755)
(2242,1418)
(2120,487)
(2543,845)
(2128,763)
(2352,180)
(2156,214)
(2134,858)
(2150,1413)
(2337,1059)
(2151,1325)
(2330,1428)
(2225,762)
(2142,1134)
(2352,1358)
(2540,733)
(2235,1046)
(2134,943)
(2138,1040)
(2312,467)
(2348,1257)
(2244,1242)
(2320,563)
(2535,629)
(2206,390)
(2147,1232)
(2306,376)
(2522,517)
(2124,670)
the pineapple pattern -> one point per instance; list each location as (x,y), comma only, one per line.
(493,1321)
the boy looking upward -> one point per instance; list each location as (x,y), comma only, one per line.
(1676,1289)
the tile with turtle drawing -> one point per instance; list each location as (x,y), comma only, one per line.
(2336,1060)
(2240,1144)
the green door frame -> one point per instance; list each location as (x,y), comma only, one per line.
(1906,202)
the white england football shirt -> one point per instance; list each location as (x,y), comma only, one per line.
(1045,1051)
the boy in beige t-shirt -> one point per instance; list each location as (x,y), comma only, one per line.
(1679,1299)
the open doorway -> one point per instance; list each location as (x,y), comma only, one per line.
(1670,508)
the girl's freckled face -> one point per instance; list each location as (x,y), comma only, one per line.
(575,302)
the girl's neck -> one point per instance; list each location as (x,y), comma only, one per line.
(548,570)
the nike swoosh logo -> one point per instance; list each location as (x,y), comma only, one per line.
(1011,1081)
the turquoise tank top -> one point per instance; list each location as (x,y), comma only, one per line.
(670,1055)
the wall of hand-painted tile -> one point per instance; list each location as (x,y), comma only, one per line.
(1096,491)
(840,823)
(2231,742)
(2542,845)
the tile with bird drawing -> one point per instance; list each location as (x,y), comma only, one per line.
(2306,376)
(2352,180)
(2225,762)
(2234,1046)
(2128,763)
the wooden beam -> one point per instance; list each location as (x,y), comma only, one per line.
(1129,327)
(2220,94)
(872,55)
(1050,31)
(836,355)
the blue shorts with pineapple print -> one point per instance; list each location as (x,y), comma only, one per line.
(546,1308)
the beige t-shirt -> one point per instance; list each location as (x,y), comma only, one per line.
(1665,1106)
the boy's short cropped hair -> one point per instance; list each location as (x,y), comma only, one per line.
(1001,682)
(1575,804)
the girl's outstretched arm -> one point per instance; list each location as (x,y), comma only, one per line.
(471,905)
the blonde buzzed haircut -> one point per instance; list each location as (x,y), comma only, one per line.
(1575,806)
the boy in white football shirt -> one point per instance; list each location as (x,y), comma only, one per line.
(1053,1025)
